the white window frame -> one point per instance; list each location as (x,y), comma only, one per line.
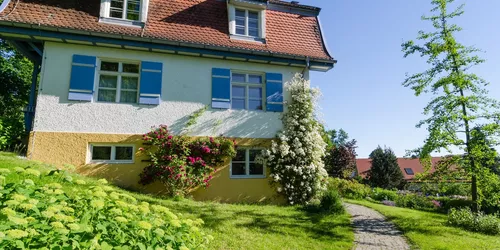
(113,153)
(247,86)
(247,18)
(125,10)
(241,5)
(106,17)
(247,167)
(119,75)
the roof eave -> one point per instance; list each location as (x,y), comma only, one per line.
(317,64)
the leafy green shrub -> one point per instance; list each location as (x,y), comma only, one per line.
(415,202)
(350,189)
(462,189)
(448,203)
(81,215)
(331,202)
(380,194)
(476,222)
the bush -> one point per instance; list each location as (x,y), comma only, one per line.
(182,164)
(415,202)
(476,222)
(350,189)
(448,189)
(81,215)
(331,202)
(448,203)
(380,194)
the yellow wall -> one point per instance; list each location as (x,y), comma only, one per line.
(61,148)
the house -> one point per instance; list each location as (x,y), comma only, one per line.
(409,166)
(109,70)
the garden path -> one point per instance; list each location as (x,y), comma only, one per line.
(372,231)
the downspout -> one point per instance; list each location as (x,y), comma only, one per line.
(30,110)
(308,65)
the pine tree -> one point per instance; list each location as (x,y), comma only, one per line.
(460,100)
(385,171)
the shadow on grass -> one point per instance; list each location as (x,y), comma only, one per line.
(291,221)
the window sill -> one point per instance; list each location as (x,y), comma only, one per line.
(124,22)
(111,162)
(248,38)
(247,177)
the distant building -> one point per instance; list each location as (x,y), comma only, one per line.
(409,167)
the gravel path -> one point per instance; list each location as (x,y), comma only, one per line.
(372,231)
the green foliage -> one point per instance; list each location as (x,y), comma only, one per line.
(15,82)
(182,164)
(285,227)
(446,188)
(448,203)
(414,201)
(87,216)
(476,222)
(350,189)
(4,137)
(340,137)
(385,171)
(331,202)
(460,103)
(380,194)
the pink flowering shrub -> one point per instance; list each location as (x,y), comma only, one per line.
(436,203)
(181,163)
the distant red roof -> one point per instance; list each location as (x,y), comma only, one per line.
(203,22)
(363,165)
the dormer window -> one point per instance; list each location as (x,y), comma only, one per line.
(247,20)
(124,12)
(125,9)
(247,23)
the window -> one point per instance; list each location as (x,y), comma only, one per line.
(247,23)
(243,164)
(118,82)
(246,91)
(125,9)
(112,153)
(409,171)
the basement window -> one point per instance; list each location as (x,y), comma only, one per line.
(243,165)
(111,153)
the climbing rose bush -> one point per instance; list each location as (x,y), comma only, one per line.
(181,163)
(36,213)
(295,158)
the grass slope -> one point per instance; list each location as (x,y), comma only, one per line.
(427,230)
(237,226)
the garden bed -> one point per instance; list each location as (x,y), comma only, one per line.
(233,226)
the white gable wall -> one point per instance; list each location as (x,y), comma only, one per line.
(187,87)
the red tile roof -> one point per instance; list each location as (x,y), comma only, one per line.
(192,21)
(363,165)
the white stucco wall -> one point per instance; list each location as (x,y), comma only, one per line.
(186,88)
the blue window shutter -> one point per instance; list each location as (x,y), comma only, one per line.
(274,92)
(151,81)
(221,88)
(81,87)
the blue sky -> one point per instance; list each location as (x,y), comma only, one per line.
(363,93)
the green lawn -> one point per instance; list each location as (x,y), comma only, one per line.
(239,226)
(427,230)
